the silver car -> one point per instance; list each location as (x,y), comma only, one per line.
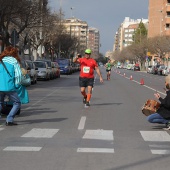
(33,71)
(43,72)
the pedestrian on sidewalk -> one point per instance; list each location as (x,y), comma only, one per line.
(10,74)
(86,79)
(162,116)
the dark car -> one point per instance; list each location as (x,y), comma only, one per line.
(136,68)
(155,69)
(65,66)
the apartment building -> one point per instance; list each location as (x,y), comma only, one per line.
(124,34)
(94,41)
(79,29)
(159,18)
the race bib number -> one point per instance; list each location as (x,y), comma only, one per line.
(86,69)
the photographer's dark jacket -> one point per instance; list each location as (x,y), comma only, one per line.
(164,109)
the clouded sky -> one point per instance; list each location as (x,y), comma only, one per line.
(105,15)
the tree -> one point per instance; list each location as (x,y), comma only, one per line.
(140,33)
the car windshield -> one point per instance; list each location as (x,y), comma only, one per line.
(63,62)
(40,64)
(49,63)
(30,65)
(23,65)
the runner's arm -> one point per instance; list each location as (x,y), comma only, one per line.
(99,73)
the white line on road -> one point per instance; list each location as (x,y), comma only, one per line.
(99,134)
(96,150)
(41,133)
(160,152)
(11,148)
(158,136)
(82,123)
(147,86)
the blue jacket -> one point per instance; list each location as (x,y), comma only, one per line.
(7,82)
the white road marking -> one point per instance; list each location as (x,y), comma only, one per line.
(82,123)
(160,152)
(99,134)
(158,136)
(159,146)
(148,86)
(41,133)
(1,129)
(12,148)
(96,150)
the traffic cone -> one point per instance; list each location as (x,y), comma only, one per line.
(142,82)
(131,78)
(124,75)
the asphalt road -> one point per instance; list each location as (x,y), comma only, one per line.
(56,131)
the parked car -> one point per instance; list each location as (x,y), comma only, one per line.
(43,71)
(166,71)
(129,66)
(136,68)
(57,69)
(33,71)
(160,68)
(51,70)
(155,69)
(149,69)
(65,66)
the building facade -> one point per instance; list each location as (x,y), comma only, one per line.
(79,29)
(94,41)
(124,34)
(159,18)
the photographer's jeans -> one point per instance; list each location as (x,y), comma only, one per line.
(13,97)
(157,118)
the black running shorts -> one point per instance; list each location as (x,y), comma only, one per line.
(84,82)
(107,70)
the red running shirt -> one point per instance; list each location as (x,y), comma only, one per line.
(87,67)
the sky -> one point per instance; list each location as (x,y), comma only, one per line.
(105,15)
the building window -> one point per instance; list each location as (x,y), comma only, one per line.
(167,26)
(168,14)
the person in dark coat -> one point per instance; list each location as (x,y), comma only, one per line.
(162,116)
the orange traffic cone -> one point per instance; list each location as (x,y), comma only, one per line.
(131,78)
(142,82)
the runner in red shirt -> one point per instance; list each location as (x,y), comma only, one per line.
(86,79)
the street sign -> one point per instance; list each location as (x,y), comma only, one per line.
(14,37)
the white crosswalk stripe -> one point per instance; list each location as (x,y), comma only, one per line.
(159,140)
(41,133)
(100,135)
(34,133)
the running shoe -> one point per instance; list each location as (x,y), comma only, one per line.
(87,104)
(84,100)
